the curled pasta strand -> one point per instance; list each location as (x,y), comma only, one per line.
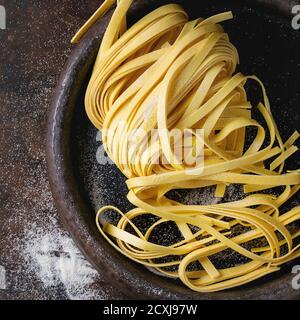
(166,73)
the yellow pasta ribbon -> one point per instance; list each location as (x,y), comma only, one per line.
(163,73)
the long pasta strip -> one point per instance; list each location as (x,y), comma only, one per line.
(166,73)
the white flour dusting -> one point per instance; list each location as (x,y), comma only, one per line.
(50,255)
(46,258)
(55,260)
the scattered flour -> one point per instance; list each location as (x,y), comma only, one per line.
(43,255)
(55,260)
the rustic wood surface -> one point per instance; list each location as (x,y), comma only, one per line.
(33,50)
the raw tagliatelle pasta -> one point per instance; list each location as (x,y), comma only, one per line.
(164,73)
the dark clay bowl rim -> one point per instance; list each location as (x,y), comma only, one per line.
(131,279)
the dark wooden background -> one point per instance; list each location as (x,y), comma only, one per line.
(33,50)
